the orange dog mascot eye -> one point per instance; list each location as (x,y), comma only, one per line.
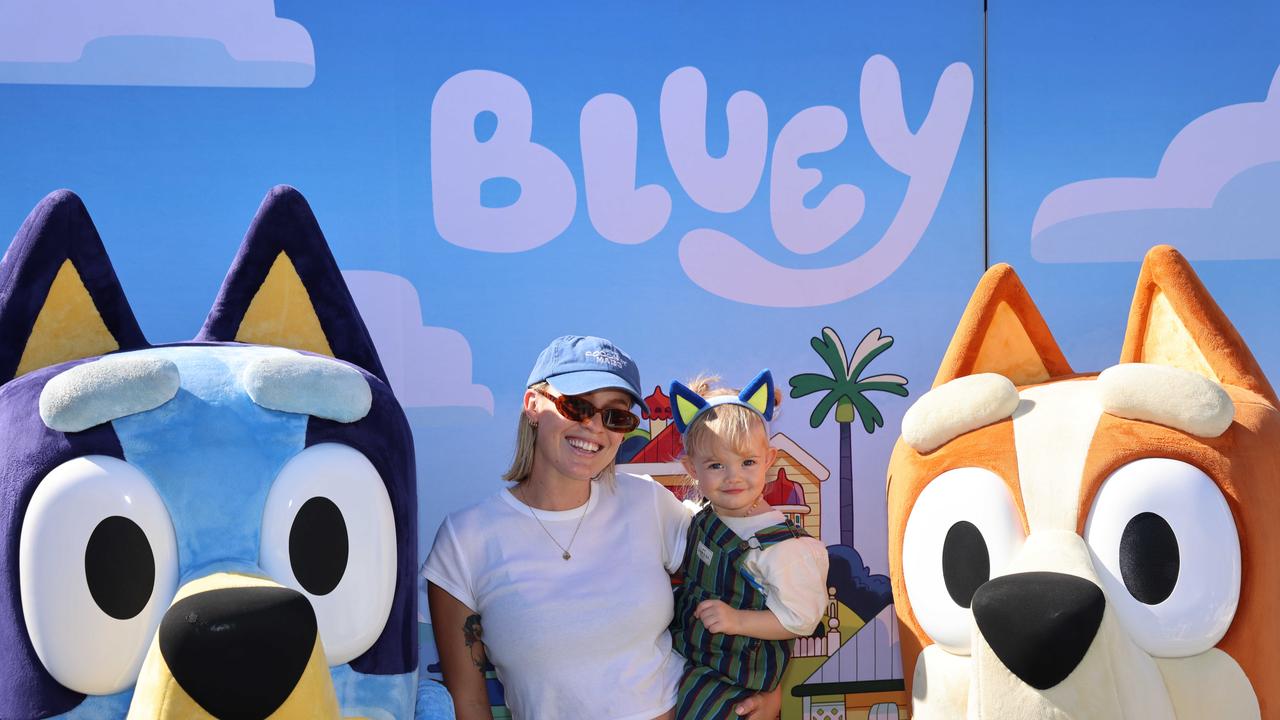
(1092,546)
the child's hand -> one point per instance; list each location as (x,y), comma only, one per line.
(718,617)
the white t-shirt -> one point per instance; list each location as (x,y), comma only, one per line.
(793,572)
(579,638)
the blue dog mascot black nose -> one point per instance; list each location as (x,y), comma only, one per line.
(1040,624)
(239,652)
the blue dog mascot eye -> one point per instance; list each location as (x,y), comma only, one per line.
(220,528)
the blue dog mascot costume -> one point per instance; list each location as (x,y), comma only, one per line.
(218,528)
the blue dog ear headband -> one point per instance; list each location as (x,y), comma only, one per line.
(687,405)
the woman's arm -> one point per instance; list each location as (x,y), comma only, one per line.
(459,642)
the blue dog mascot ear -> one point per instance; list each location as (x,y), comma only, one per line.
(260,482)
(59,296)
(284,288)
(688,405)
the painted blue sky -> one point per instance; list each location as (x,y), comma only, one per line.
(172,176)
(172,166)
(1094,91)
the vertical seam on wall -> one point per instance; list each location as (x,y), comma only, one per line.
(986,148)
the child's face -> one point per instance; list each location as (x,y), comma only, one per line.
(732,479)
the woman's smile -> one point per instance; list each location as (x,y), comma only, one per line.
(586,447)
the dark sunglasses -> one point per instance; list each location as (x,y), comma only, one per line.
(575,408)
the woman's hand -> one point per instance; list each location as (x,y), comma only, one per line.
(764,706)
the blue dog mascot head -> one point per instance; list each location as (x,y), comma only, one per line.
(219,528)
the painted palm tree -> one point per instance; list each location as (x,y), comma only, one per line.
(846,391)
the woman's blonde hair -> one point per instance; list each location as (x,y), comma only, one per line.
(526,444)
(526,441)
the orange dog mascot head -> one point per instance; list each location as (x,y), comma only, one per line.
(1091,546)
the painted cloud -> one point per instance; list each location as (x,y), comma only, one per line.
(1212,196)
(427,366)
(230,43)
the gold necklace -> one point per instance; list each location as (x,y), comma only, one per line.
(563,548)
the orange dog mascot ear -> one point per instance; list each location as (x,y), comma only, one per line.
(1091,546)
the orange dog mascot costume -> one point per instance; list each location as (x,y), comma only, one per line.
(1091,546)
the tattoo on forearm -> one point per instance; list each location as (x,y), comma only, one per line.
(473,634)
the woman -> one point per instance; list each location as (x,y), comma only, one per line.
(562,579)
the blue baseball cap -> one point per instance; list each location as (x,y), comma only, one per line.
(579,364)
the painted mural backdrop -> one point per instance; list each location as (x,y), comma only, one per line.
(1112,129)
(715,186)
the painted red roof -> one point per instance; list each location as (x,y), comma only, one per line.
(666,446)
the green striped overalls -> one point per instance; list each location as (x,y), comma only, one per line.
(723,670)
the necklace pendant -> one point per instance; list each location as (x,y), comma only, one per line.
(566,555)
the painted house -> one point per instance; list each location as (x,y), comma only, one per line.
(862,679)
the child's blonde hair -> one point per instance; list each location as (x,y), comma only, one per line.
(733,423)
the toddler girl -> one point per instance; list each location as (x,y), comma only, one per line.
(752,580)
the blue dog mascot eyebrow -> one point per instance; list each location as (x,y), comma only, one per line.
(219,528)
